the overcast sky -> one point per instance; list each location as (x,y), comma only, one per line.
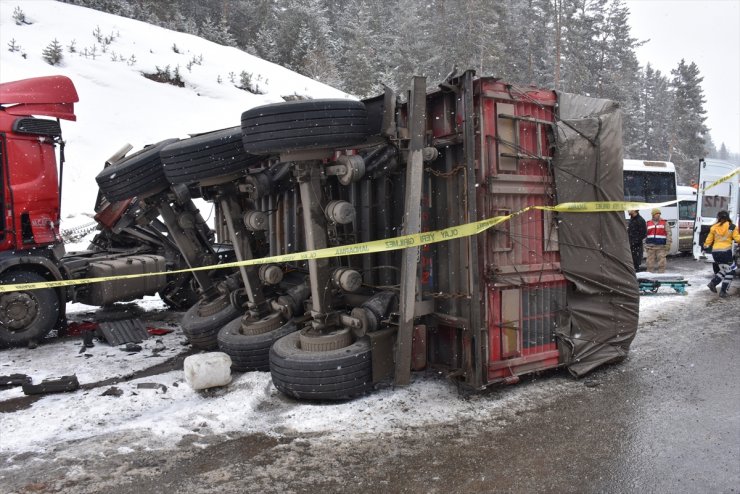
(706,32)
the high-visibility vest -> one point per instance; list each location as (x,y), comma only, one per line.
(657,232)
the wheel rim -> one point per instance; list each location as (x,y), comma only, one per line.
(212,308)
(18,310)
(324,342)
(268,323)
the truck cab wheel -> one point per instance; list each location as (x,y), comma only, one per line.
(26,315)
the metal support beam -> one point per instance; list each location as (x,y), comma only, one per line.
(474,266)
(308,175)
(412,225)
(190,250)
(243,252)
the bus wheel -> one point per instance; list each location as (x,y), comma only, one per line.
(26,315)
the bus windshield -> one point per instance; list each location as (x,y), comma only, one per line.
(642,186)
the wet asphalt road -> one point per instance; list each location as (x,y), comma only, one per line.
(666,420)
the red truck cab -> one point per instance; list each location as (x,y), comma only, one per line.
(30,245)
(30,182)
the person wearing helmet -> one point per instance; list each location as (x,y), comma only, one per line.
(657,242)
(719,243)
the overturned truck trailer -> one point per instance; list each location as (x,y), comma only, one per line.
(538,291)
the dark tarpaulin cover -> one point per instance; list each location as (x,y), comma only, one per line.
(600,320)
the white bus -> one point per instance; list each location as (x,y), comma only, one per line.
(653,182)
(714,197)
(686,217)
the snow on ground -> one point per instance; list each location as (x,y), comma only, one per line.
(118,105)
(161,418)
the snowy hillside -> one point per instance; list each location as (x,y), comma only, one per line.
(118,105)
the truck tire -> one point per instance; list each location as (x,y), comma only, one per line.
(207,157)
(250,352)
(26,316)
(202,322)
(339,374)
(308,124)
(139,174)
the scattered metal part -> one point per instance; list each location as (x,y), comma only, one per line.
(119,332)
(112,391)
(159,386)
(14,380)
(131,348)
(58,385)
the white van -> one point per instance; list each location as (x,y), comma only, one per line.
(686,217)
(719,184)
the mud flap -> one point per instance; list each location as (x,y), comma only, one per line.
(381,350)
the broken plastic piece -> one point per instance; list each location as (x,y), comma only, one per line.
(158,331)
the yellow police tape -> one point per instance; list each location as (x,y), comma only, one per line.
(721,180)
(396,243)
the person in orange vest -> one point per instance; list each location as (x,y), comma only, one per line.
(657,243)
(719,243)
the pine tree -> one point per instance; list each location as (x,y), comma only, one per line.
(208,30)
(723,153)
(534,17)
(654,121)
(224,33)
(689,132)
(620,73)
(19,17)
(412,50)
(361,53)
(13,46)
(53,53)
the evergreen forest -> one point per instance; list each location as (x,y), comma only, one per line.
(359,46)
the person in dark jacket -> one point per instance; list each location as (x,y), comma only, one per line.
(636,231)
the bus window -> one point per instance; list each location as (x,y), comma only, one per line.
(649,187)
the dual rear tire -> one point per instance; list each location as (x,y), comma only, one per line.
(339,374)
